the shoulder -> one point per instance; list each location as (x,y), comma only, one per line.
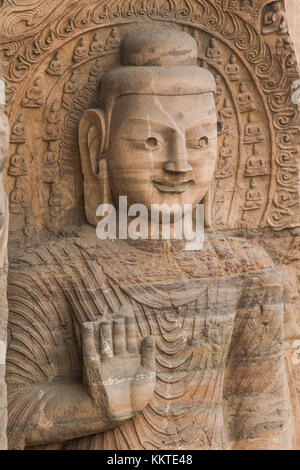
(238,256)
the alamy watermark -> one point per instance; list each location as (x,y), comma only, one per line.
(162,222)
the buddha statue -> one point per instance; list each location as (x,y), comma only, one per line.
(224,169)
(70,87)
(113,40)
(234,5)
(17,166)
(246,5)
(213,52)
(54,202)
(274,20)
(224,115)
(232,69)
(245,99)
(33,96)
(254,199)
(50,168)
(279,46)
(16,199)
(53,122)
(290,61)
(219,201)
(253,132)
(96,45)
(219,88)
(54,66)
(141,343)
(255,164)
(18,131)
(80,51)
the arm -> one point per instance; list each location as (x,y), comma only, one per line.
(118,383)
(255,390)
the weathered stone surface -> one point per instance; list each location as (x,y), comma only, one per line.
(57,66)
(3,266)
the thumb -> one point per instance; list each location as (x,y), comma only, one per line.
(148,353)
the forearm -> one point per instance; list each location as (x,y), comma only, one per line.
(67,412)
(258,407)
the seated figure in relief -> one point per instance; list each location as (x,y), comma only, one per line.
(33,96)
(143,344)
(274,20)
(232,69)
(213,52)
(253,131)
(245,99)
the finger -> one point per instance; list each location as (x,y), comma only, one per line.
(131,343)
(119,337)
(148,353)
(106,344)
(126,310)
(88,341)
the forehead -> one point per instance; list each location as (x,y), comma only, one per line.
(184,110)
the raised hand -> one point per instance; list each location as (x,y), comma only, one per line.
(116,373)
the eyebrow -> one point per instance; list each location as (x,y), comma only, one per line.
(167,125)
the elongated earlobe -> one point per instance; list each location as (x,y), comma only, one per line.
(207,201)
(92,134)
(105,193)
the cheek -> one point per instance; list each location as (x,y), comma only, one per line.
(204,166)
(130,172)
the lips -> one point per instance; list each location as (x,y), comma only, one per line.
(167,187)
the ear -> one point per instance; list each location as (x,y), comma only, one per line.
(92,136)
(207,201)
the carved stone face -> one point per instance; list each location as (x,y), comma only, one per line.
(162,149)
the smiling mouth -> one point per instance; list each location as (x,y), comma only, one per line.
(167,187)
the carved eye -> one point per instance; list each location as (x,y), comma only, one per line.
(152,143)
(203,143)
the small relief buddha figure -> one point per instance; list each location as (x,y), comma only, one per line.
(18,131)
(254,198)
(290,61)
(218,206)
(55,202)
(213,52)
(51,154)
(253,131)
(33,96)
(95,73)
(224,115)
(219,89)
(50,169)
(113,40)
(54,66)
(70,87)
(274,20)
(245,99)
(83,371)
(234,5)
(53,123)
(232,69)
(246,4)
(255,165)
(224,169)
(96,45)
(17,165)
(16,199)
(279,46)
(80,52)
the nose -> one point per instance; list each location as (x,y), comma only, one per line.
(178,163)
